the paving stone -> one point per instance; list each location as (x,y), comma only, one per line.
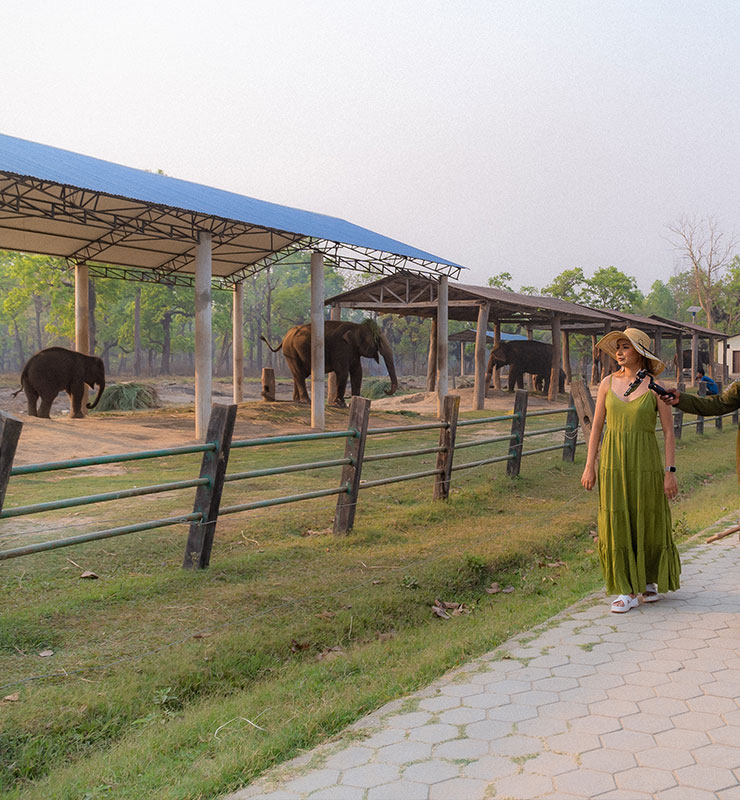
(727,734)
(667,758)
(697,721)
(512,713)
(433,733)
(489,768)
(574,670)
(582,694)
(462,716)
(431,771)
(370,775)
(516,745)
(681,739)
(627,740)
(350,757)
(645,779)
(719,755)
(550,764)
(461,689)
(607,760)
(631,692)
(646,723)
(706,777)
(382,738)
(489,729)
(663,706)
(556,684)
(535,698)
(593,723)
(317,779)
(574,743)
(403,752)
(487,700)
(523,787)
(563,710)
(341,793)
(439,703)
(685,793)
(613,708)
(398,790)
(461,749)
(729,794)
(542,727)
(459,789)
(586,782)
(712,704)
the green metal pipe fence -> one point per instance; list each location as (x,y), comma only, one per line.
(214,474)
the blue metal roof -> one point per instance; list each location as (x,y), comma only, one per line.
(22,160)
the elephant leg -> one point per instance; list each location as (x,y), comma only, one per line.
(32,397)
(300,393)
(515,375)
(75,402)
(339,400)
(355,378)
(45,407)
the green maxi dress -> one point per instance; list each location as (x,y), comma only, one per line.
(635,542)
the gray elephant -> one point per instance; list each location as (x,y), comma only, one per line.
(345,343)
(522,356)
(57,369)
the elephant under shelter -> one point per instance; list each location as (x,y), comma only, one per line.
(408,294)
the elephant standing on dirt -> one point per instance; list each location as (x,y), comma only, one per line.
(345,343)
(57,369)
(523,356)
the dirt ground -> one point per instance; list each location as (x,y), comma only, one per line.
(61,438)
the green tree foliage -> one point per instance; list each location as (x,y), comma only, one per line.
(501,281)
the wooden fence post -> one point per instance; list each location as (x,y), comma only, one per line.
(699,418)
(354,449)
(570,439)
(208,497)
(268,384)
(678,415)
(585,406)
(10,431)
(516,443)
(718,418)
(451,408)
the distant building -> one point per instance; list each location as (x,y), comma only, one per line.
(733,356)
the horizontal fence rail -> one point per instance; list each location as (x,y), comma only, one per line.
(219,443)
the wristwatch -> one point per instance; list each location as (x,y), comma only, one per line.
(670,469)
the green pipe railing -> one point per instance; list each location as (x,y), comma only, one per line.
(403,454)
(262,473)
(30,469)
(54,505)
(278,501)
(297,437)
(91,537)
(423,426)
(463,422)
(398,478)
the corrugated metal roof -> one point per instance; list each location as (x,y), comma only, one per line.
(43,210)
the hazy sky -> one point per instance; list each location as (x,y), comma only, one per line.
(526,137)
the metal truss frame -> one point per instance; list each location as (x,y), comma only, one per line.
(121,221)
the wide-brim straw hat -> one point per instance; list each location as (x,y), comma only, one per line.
(640,341)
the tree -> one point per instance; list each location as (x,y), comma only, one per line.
(568,285)
(707,250)
(501,281)
(611,288)
(661,301)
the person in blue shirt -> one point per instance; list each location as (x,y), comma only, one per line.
(712,387)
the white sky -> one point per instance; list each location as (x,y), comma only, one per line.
(517,136)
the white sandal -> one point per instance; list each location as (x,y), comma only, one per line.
(650,595)
(627,603)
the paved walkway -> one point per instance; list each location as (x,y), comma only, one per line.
(641,706)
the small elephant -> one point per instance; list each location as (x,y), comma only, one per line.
(528,356)
(57,369)
(345,343)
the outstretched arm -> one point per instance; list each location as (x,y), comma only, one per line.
(670,484)
(588,479)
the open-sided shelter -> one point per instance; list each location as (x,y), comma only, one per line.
(109,220)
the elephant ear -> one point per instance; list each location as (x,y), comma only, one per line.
(350,336)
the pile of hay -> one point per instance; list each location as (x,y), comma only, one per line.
(128,396)
(375,388)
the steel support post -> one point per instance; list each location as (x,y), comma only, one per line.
(318,387)
(479,391)
(335,313)
(203,334)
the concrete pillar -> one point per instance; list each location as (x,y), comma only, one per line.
(679,358)
(432,357)
(318,387)
(462,359)
(556,359)
(442,343)
(335,313)
(203,335)
(82,309)
(479,389)
(237,350)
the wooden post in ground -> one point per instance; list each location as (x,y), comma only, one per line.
(354,449)
(479,390)
(516,443)
(237,350)
(208,497)
(10,432)
(443,344)
(335,313)
(451,408)
(694,356)
(556,359)
(268,384)
(496,343)
(570,439)
(585,407)
(718,418)
(566,358)
(595,362)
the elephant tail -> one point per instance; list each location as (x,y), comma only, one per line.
(17,392)
(274,349)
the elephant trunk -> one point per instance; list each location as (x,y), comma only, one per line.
(385,351)
(101,389)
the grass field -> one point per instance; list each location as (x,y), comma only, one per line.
(170,684)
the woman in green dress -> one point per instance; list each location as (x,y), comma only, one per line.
(636,546)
